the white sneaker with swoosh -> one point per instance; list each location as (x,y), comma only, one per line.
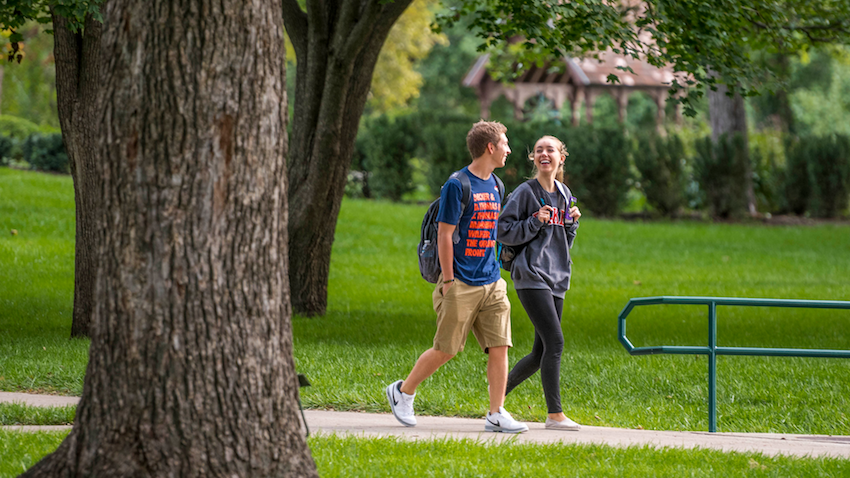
(401,404)
(503,422)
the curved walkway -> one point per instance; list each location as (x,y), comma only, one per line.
(384,424)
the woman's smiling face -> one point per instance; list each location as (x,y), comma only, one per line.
(547,156)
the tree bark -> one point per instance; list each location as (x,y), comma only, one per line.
(728,115)
(191,370)
(337,45)
(77,58)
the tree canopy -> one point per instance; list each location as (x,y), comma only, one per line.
(707,41)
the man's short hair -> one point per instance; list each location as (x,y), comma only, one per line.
(481,134)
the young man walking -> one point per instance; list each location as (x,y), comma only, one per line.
(470,294)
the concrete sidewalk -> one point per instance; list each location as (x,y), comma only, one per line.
(384,425)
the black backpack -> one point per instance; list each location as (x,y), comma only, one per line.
(429,259)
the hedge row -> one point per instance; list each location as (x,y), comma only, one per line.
(604,164)
(41,147)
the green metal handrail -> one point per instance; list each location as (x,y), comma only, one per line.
(712,350)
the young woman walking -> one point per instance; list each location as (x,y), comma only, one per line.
(539,215)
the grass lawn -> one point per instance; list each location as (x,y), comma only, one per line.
(17,414)
(378,457)
(380,319)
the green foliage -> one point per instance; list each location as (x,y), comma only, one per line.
(597,169)
(817,176)
(828,167)
(14,14)
(443,71)
(46,152)
(6,145)
(521,139)
(709,41)
(409,41)
(29,90)
(444,147)
(661,163)
(768,180)
(796,187)
(720,169)
(387,145)
(17,128)
(767,154)
(822,107)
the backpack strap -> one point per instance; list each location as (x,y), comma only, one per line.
(465,199)
(565,192)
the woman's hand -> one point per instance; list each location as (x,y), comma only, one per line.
(575,213)
(544,214)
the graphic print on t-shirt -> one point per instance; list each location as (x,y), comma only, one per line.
(482,227)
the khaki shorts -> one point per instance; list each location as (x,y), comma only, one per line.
(483,309)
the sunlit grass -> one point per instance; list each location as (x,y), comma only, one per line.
(19,414)
(337,456)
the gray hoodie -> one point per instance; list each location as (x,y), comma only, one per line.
(545,262)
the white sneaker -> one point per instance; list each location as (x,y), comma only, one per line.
(401,404)
(566,424)
(503,422)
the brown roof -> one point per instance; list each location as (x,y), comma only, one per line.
(584,72)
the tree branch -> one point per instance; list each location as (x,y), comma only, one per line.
(808,30)
(295,22)
(376,20)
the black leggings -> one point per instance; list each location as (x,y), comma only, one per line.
(544,310)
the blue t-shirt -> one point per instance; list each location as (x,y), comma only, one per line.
(475,253)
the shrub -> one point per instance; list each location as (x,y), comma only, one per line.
(597,169)
(45,152)
(6,145)
(720,169)
(828,166)
(387,145)
(796,189)
(357,182)
(17,128)
(444,147)
(660,163)
(768,180)
(521,138)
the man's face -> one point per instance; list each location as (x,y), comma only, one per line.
(501,151)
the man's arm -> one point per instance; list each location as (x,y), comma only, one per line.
(446,249)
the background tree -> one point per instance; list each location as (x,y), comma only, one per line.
(410,40)
(77,30)
(337,44)
(191,370)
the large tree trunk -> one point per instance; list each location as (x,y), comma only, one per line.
(337,45)
(77,57)
(191,370)
(728,116)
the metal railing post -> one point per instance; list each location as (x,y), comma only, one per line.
(712,367)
